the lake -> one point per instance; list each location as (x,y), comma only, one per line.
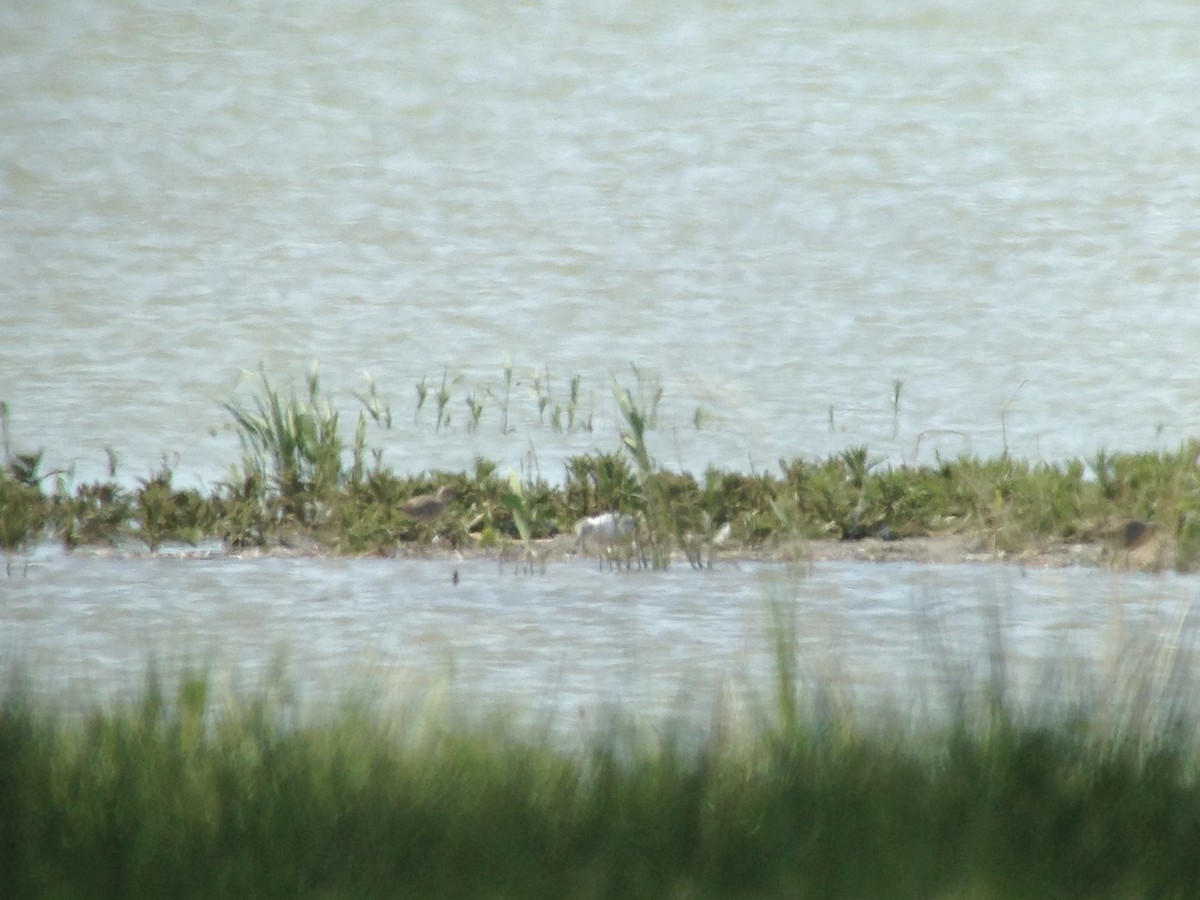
(929,228)
(573,644)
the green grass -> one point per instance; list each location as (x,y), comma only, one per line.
(184,796)
(299,474)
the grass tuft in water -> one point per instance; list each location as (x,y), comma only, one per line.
(162,513)
(291,443)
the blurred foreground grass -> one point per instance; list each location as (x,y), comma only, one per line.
(176,795)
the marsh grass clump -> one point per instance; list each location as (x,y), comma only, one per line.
(742,499)
(291,443)
(95,513)
(370,516)
(24,510)
(525,516)
(20,520)
(599,482)
(665,501)
(164,513)
(245,512)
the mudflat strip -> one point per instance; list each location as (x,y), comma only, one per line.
(1155,554)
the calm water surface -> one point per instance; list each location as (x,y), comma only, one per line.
(574,643)
(781,209)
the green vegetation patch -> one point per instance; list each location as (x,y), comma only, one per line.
(181,796)
(301,479)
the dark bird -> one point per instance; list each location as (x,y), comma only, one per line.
(1137,533)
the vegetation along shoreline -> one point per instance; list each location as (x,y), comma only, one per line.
(302,487)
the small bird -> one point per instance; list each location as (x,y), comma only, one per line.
(1137,533)
(427,507)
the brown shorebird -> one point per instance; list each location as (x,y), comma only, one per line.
(427,507)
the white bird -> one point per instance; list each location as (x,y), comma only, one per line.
(722,535)
(603,530)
